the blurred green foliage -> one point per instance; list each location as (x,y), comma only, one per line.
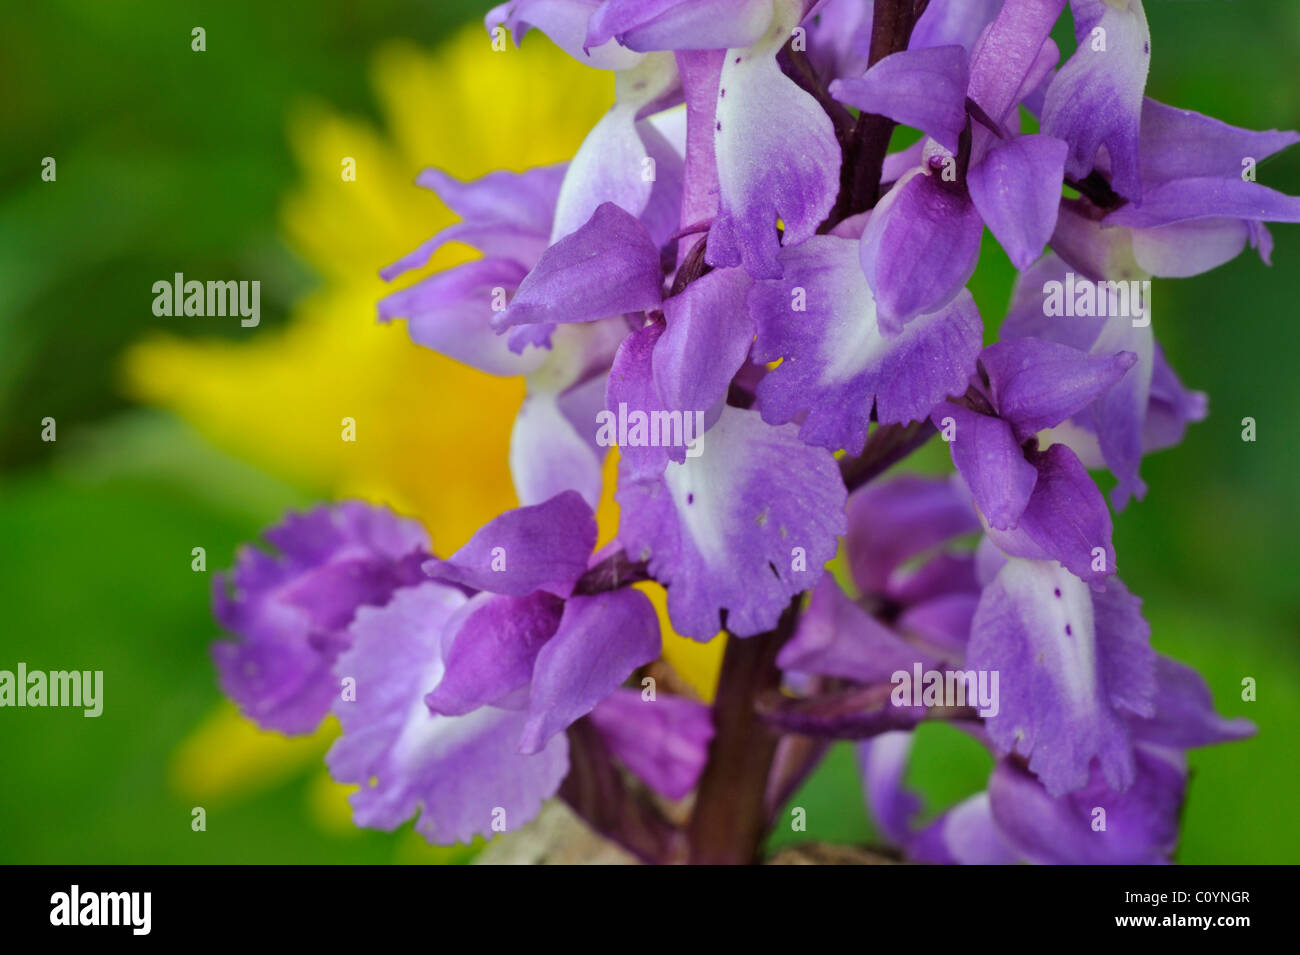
(166,156)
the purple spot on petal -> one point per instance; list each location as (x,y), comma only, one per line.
(1069,631)
(719,126)
(737,59)
(690,498)
(1058,592)
(722,94)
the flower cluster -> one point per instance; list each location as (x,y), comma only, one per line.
(733,244)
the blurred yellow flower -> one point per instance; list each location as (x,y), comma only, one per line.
(432,435)
(225,756)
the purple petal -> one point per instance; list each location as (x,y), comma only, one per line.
(1141,823)
(461,774)
(549,456)
(1072,664)
(1171,409)
(700,72)
(1182,144)
(1109,431)
(1091,250)
(526,199)
(290,612)
(952,21)
(787,170)
(542,547)
(1095,99)
(897,165)
(743,527)
(1184,712)
(1261,240)
(1119,415)
(1066,518)
(1187,248)
(967,834)
(494,240)
(1186,200)
(1037,384)
(991,461)
(891,522)
(821,319)
(608,267)
(1114,429)
(600,641)
(942,622)
(662,212)
(664,741)
(837,638)
(939,577)
(1008,52)
(839,37)
(1036,290)
(1017,189)
(882,763)
(565,22)
(506,215)
(555,444)
(708,335)
(492,650)
(612,163)
(636,417)
(452,312)
(645,25)
(922,88)
(919,248)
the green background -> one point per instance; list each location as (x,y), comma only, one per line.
(170,162)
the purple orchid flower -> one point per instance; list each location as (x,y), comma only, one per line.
(1072,662)
(906,614)
(1038,504)
(917,595)
(291,611)
(460,313)
(1095,100)
(1200,203)
(763,172)
(1017,820)
(766,323)
(839,363)
(1148,409)
(527,630)
(454,692)
(922,241)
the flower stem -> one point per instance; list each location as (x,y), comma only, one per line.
(887,445)
(615,571)
(598,792)
(864,154)
(730,819)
